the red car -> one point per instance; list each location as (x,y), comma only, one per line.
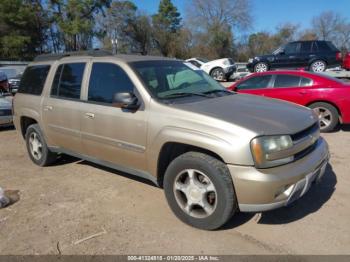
(329,97)
(346,62)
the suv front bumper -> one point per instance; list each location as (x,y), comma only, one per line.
(229,70)
(260,190)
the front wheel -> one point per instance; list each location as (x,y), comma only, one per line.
(199,190)
(318,66)
(261,67)
(218,74)
(328,116)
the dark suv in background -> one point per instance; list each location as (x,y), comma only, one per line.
(316,56)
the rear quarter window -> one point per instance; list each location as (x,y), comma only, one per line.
(332,46)
(33,80)
(305,81)
(326,46)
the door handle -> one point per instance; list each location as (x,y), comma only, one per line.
(48,108)
(302,92)
(292,56)
(89,115)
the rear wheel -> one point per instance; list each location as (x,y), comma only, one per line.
(261,67)
(37,148)
(318,66)
(328,116)
(199,190)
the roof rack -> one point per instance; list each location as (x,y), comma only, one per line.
(94,52)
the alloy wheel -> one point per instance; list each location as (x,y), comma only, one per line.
(325,117)
(195,193)
(261,67)
(36,147)
(318,66)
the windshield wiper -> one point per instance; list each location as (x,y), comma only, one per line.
(219,91)
(184,94)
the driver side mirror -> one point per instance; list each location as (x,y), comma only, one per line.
(126,100)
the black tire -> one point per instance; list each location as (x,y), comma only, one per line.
(47,157)
(334,119)
(220,177)
(218,74)
(258,68)
(313,69)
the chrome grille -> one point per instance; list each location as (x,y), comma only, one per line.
(305,132)
(306,140)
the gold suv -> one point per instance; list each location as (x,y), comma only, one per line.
(213,151)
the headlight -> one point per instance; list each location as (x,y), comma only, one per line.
(267,150)
(250,60)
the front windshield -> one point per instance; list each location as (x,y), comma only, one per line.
(166,79)
(278,50)
(203,60)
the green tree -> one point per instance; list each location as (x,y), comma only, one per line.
(23,27)
(73,22)
(141,32)
(166,27)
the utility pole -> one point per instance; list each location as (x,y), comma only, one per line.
(114,41)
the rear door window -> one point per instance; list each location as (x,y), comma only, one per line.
(67,81)
(256,82)
(286,81)
(33,79)
(305,81)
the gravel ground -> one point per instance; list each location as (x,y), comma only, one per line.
(74,199)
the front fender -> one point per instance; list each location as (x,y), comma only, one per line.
(225,149)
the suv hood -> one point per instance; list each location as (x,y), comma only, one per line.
(264,116)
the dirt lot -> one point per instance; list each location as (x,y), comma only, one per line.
(75,199)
